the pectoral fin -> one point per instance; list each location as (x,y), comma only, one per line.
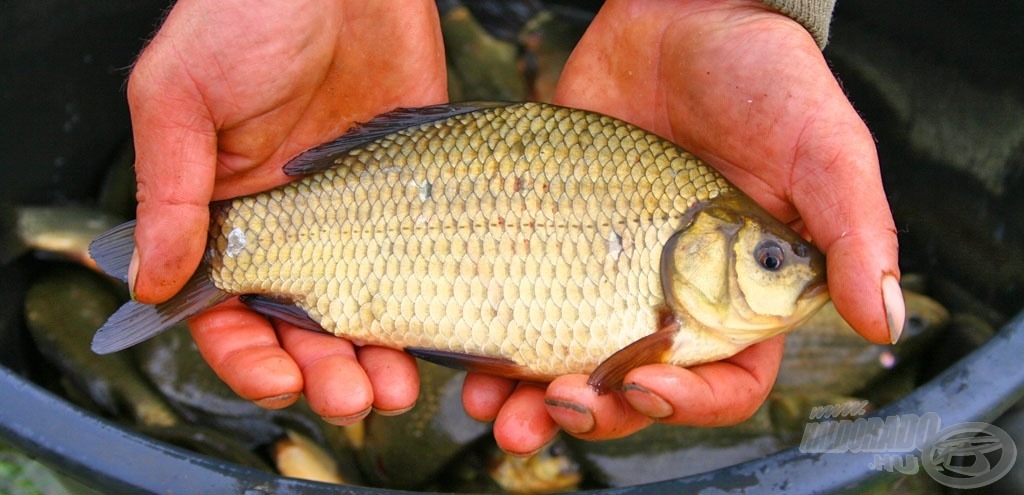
(648,350)
(471,362)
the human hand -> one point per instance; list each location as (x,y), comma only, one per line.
(748,90)
(221,98)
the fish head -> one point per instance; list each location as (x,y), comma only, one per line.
(550,469)
(924,315)
(740,273)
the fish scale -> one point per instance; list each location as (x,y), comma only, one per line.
(531,233)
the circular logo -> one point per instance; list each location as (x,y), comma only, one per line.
(969,455)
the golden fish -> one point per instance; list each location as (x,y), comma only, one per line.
(526,239)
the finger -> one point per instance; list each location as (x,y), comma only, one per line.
(579,410)
(523,425)
(837,188)
(713,394)
(242,348)
(337,387)
(483,395)
(175,149)
(393,376)
(865,284)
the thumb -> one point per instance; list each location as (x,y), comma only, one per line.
(865,286)
(176,155)
(837,188)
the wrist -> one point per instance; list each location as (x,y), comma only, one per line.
(814,15)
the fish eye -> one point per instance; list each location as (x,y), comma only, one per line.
(769,255)
(915,323)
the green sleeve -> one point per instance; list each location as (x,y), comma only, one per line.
(815,15)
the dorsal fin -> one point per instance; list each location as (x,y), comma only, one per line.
(322,157)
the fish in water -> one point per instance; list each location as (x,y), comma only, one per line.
(521,239)
(60,232)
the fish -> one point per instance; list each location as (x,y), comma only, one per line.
(545,42)
(297,456)
(485,468)
(210,442)
(525,240)
(56,232)
(549,470)
(407,452)
(62,308)
(826,353)
(663,451)
(479,65)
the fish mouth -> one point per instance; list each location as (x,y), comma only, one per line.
(810,300)
(815,294)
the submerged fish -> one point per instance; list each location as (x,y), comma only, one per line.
(552,469)
(826,353)
(526,240)
(61,232)
(408,451)
(62,307)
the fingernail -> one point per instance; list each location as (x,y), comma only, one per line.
(133,272)
(895,308)
(393,412)
(647,402)
(277,401)
(347,420)
(524,454)
(572,417)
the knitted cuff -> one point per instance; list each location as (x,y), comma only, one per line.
(814,15)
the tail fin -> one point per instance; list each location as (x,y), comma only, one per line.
(112,250)
(135,322)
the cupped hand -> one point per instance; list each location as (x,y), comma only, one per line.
(748,90)
(224,95)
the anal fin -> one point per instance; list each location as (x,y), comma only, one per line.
(470,362)
(282,310)
(649,349)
